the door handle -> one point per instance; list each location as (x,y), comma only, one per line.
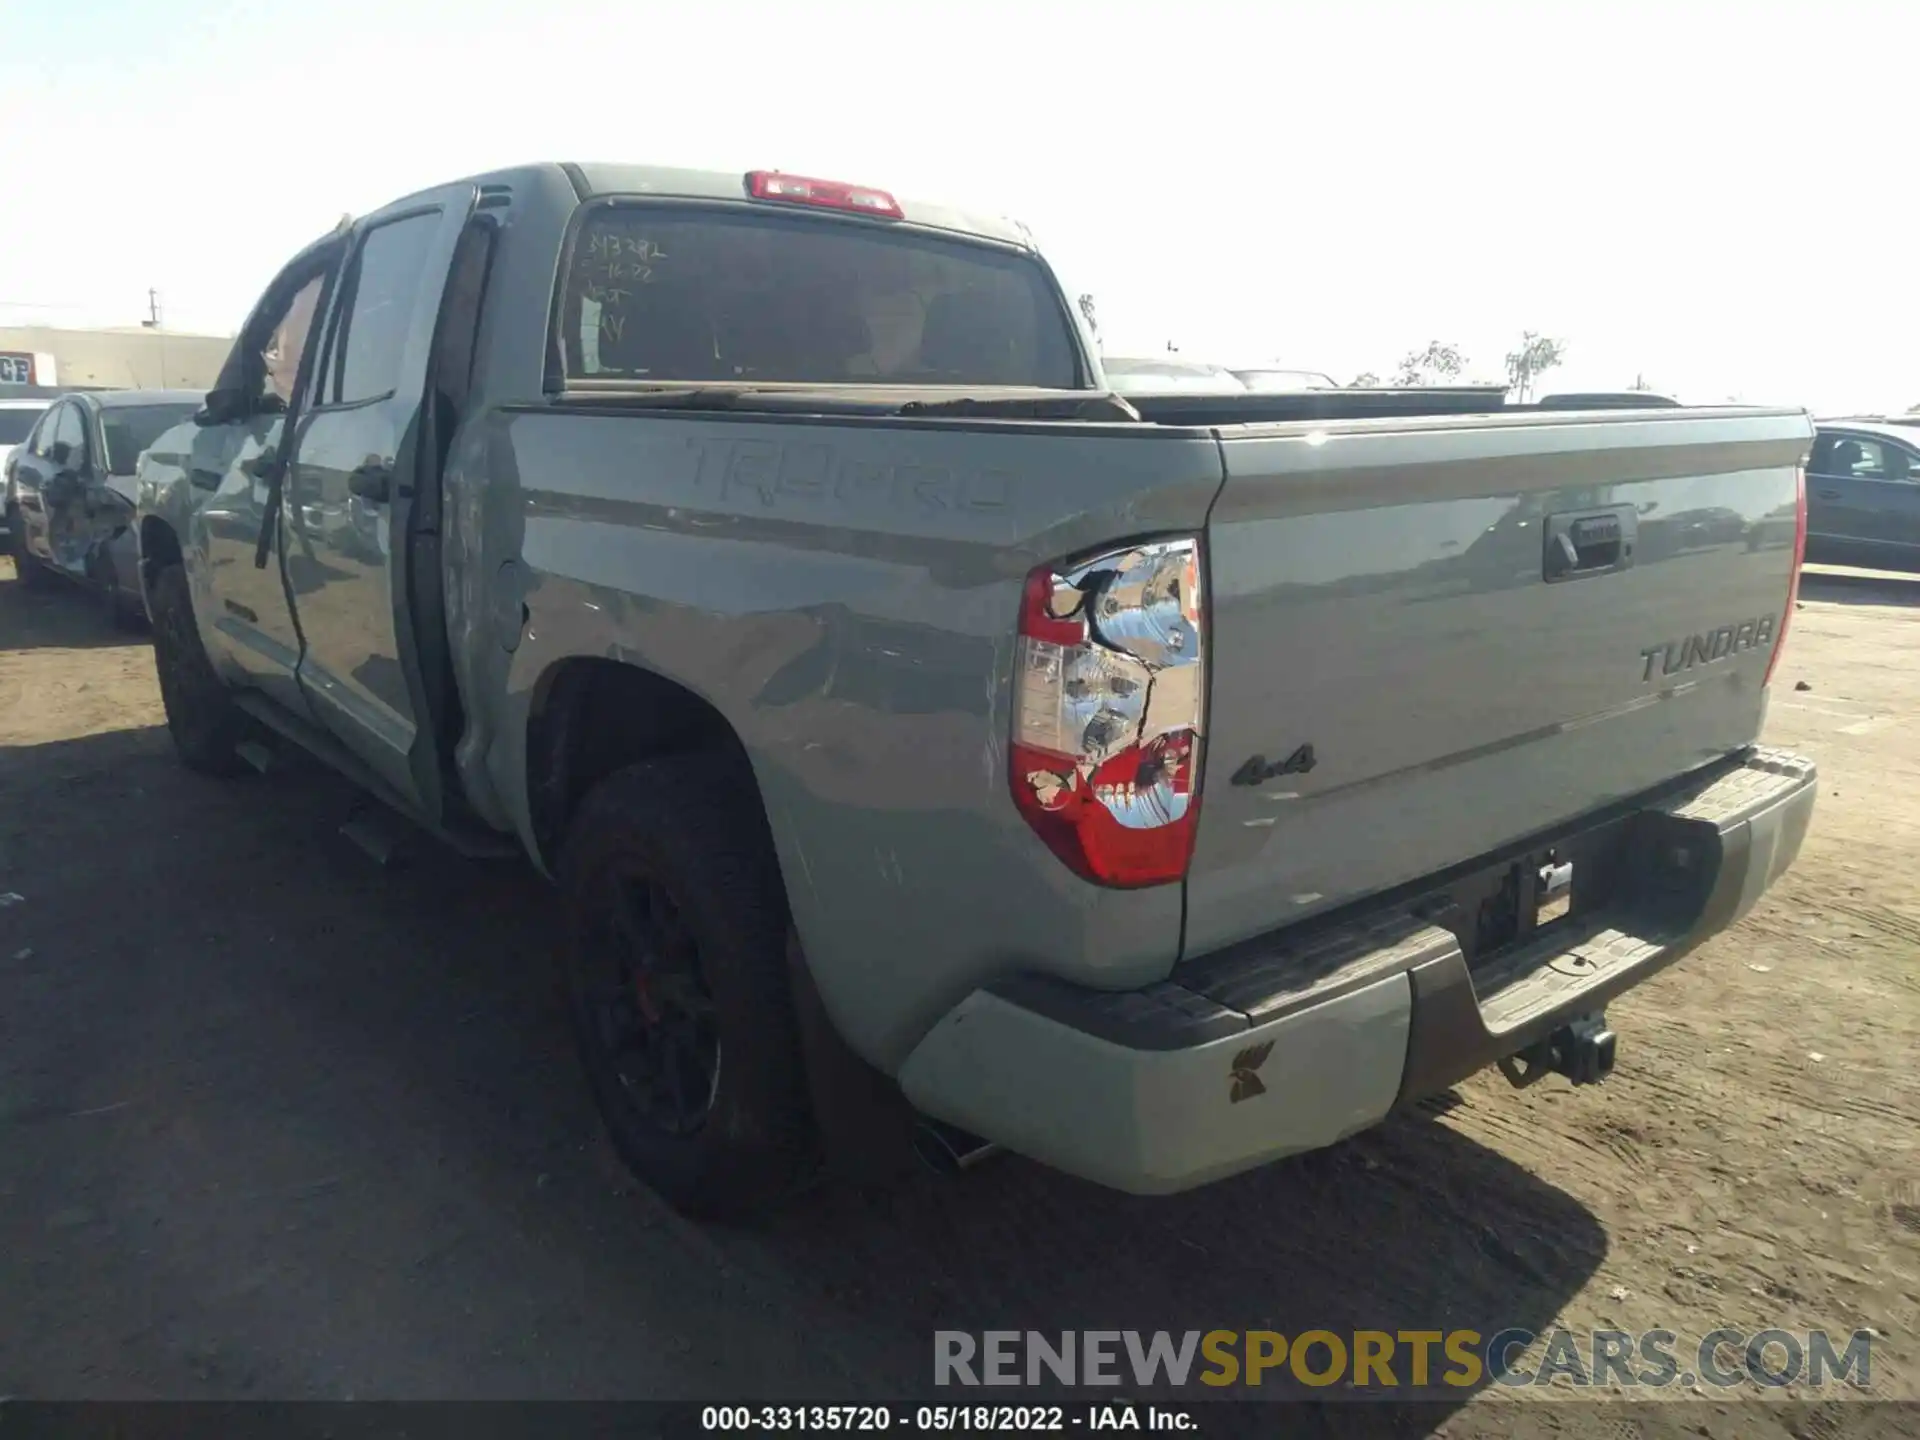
(371,482)
(1594,543)
(1829,494)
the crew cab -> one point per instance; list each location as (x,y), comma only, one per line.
(919,733)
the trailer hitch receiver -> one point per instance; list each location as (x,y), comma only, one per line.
(1582,1050)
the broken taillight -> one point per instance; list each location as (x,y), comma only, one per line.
(1793,579)
(1110,677)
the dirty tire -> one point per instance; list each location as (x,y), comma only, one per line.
(205,723)
(689,827)
(27,568)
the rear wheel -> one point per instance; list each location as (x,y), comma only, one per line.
(674,966)
(205,723)
(26,568)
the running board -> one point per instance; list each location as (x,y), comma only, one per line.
(471,842)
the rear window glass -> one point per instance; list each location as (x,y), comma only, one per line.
(685,295)
(130,429)
(16,423)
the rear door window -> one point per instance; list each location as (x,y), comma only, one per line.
(1862,459)
(659,294)
(383,287)
(130,429)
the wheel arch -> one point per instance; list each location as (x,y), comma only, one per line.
(591,716)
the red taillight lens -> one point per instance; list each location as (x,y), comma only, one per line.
(1110,679)
(1799,558)
(828,194)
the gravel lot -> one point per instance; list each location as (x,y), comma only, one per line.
(277,1123)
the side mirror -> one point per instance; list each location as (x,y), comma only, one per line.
(60,452)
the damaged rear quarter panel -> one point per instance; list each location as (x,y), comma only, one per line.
(845,594)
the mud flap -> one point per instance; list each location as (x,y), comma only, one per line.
(865,1125)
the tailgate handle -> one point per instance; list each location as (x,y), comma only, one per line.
(1592,542)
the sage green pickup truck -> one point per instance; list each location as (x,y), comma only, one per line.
(924,739)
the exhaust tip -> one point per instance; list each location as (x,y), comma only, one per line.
(946,1149)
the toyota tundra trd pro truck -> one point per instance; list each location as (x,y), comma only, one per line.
(1151,786)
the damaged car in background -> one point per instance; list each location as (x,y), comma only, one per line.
(70,491)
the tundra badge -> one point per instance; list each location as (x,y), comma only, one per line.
(1673,656)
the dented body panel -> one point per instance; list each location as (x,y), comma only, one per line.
(1427,640)
(845,596)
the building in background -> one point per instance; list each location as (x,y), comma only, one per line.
(49,360)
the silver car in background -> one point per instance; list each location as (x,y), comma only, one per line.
(1863,493)
(70,491)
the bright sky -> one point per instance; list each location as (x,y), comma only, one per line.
(1707,195)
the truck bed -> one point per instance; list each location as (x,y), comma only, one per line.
(1376,589)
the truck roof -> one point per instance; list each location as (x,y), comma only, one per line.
(593,179)
(615,179)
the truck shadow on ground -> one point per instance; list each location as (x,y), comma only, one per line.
(1860,587)
(63,616)
(266,1102)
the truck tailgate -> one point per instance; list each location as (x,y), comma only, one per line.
(1431,638)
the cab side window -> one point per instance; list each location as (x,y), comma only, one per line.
(1864,459)
(286,343)
(1857,457)
(69,429)
(262,373)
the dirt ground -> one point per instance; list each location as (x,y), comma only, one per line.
(277,1123)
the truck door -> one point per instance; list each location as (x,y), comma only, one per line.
(350,489)
(254,638)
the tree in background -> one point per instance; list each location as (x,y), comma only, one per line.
(1537,355)
(1365,380)
(1437,364)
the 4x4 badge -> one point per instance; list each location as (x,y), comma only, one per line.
(1244,1072)
(1258,770)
